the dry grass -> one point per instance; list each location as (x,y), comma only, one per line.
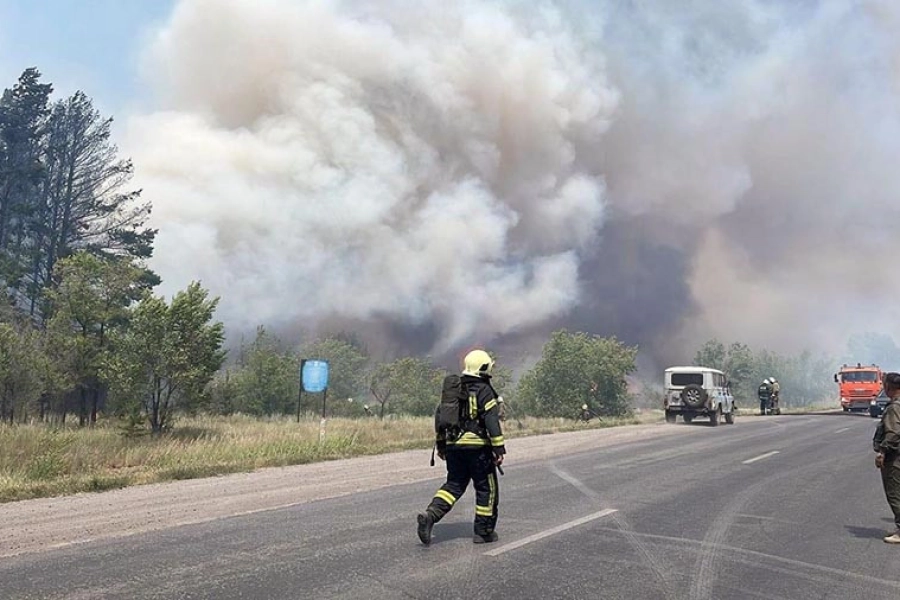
(37,461)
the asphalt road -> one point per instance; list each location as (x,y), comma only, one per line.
(783,507)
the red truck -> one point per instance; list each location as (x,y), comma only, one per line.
(858,385)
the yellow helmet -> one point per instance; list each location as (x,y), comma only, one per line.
(477,363)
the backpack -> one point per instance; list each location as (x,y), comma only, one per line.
(452,410)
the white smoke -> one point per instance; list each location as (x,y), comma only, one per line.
(322,158)
(455,163)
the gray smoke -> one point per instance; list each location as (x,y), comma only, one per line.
(443,173)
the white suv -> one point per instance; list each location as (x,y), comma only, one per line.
(698,391)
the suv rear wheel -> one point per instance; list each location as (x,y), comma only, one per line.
(714,417)
(670,417)
(694,395)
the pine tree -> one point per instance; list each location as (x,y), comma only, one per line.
(23,118)
(83,205)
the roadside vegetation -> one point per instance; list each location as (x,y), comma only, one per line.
(37,461)
(805,378)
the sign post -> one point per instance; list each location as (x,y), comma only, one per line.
(322,422)
(300,395)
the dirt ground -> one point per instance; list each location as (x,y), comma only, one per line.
(36,525)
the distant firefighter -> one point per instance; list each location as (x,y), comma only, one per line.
(587,414)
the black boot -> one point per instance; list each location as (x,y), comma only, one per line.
(486,539)
(426,523)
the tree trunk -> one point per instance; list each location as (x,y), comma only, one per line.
(4,214)
(10,404)
(82,412)
(34,292)
(382,401)
(154,414)
(95,402)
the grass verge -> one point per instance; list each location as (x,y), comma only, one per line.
(37,461)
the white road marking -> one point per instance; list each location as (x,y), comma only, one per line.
(549,532)
(836,574)
(761,457)
(762,518)
(576,483)
(842,430)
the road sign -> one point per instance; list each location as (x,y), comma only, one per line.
(314,375)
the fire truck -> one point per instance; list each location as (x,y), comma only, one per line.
(858,385)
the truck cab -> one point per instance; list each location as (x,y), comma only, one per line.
(858,386)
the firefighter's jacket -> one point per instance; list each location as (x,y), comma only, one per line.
(481,423)
(887,434)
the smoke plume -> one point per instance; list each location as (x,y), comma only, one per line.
(450,172)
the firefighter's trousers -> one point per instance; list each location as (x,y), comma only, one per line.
(890,477)
(463,465)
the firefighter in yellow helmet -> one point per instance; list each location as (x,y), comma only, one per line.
(776,396)
(472,453)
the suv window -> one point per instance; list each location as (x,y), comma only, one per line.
(681,379)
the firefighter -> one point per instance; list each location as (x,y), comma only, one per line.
(473,456)
(764,393)
(887,451)
(776,395)
(585,413)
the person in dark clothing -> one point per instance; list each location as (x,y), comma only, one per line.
(765,393)
(887,451)
(472,455)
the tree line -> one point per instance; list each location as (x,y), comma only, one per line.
(146,361)
(805,378)
(575,368)
(80,329)
(109,345)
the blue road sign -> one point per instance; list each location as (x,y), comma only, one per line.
(314,375)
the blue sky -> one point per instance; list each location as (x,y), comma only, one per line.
(92,45)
